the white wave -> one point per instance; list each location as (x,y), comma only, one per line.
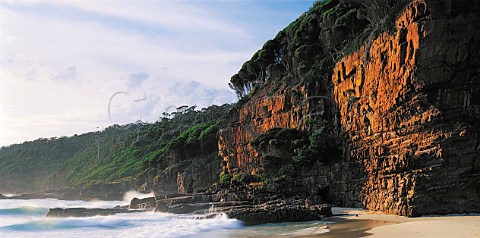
(140,224)
(134,194)
(23,211)
(9,195)
(54,203)
(130,225)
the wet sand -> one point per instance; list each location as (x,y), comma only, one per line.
(347,228)
(353,223)
(361,223)
(459,226)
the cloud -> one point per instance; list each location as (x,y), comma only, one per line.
(61,61)
(67,75)
(148,101)
(135,79)
(159,16)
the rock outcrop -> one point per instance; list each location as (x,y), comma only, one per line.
(194,173)
(85,212)
(404,106)
(255,117)
(279,210)
(149,203)
(209,205)
(253,207)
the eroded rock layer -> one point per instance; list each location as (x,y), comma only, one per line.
(282,110)
(407,108)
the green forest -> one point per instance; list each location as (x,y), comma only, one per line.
(117,154)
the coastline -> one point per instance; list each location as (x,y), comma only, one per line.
(393,226)
(345,223)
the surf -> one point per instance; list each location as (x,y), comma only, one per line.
(24,211)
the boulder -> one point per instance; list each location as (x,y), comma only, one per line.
(143,204)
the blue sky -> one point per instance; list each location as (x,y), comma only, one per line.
(62,61)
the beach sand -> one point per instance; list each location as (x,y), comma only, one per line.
(361,223)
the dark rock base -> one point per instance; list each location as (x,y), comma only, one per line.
(85,212)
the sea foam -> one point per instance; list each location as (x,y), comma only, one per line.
(134,194)
(23,218)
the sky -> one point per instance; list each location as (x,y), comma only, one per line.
(70,67)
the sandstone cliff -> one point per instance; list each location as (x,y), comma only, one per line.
(410,112)
(403,108)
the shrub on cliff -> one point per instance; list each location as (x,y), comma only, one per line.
(276,136)
(276,147)
(262,140)
(322,146)
(225,178)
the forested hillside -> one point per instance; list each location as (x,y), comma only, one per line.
(115,155)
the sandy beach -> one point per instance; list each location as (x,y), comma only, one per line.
(392,226)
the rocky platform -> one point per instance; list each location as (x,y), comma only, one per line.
(242,205)
(251,205)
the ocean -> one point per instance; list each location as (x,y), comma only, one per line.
(26,218)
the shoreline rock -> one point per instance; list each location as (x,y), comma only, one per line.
(256,211)
(252,206)
(279,211)
(86,212)
(143,204)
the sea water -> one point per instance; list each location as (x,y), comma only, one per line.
(26,218)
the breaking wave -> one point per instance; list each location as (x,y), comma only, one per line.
(24,211)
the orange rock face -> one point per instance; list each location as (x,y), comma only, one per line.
(395,100)
(259,114)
